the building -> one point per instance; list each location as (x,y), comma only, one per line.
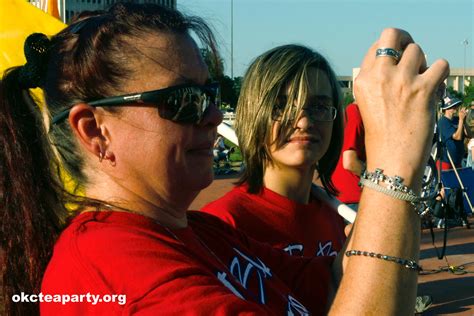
(73,7)
(346,83)
(455,78)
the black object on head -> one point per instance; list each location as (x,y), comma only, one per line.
(36,49)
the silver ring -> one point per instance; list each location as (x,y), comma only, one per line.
(388,52)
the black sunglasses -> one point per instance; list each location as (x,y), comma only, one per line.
(185,103)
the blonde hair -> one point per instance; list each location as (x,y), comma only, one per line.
(283,67)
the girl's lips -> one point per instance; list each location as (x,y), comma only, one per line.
(303,139)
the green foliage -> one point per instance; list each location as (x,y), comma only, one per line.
(230,88)
(236,156)
(228,94)
(215,65)
(237,85)
(348,99)
(454,93)
(468,94)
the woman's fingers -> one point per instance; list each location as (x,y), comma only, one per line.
(440,91)
(393,42)
(347,229)
(436,74)
(391,38)
(413,60)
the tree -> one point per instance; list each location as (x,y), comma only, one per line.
(454,93)
(230,88)
(228,94)
(468,94)
(348,99)
(215,64)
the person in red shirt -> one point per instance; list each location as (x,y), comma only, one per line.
(352,161)
(130,114)
(288,125)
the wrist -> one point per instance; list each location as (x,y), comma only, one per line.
(394,187)
(409,164)
(412,176)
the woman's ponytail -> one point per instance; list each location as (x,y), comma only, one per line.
(30,201)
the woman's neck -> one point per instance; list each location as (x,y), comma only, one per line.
(155,206)
(293,183)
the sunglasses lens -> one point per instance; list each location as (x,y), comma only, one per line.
(187,104)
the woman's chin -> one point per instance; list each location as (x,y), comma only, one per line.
(200,179)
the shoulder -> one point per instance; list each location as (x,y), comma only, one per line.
(445,124)
(231,204)
(322,203)
(445,121)
(136,258)
(111,252)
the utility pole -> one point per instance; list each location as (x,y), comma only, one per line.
(232,39)
(465,43)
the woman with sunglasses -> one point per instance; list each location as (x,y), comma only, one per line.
(127,244)
(289,124)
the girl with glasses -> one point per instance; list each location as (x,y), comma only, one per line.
(289,125)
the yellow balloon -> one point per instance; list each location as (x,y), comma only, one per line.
(18,19)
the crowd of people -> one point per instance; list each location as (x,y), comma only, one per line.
(131,115)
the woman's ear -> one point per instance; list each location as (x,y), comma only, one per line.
(85,121)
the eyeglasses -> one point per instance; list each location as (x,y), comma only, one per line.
(316,112)
(185,103)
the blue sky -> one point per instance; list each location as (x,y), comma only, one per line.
(342,30)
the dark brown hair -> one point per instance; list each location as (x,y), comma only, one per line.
(89,59)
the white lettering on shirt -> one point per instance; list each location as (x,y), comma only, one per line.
(295,307)
(326,249)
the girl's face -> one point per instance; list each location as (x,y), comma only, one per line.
(312,131)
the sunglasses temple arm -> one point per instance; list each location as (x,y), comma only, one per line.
(60,117)
(116,100)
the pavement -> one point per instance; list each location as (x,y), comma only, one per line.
(452,294)
(452,290)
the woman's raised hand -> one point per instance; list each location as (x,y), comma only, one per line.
(396,94)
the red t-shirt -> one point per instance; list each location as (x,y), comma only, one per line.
(313,229)
(203,269)
(345,181)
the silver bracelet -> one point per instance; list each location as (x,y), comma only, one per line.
(409,264)
(393,187)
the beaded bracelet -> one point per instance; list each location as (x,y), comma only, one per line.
(410,264)
(394,187)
